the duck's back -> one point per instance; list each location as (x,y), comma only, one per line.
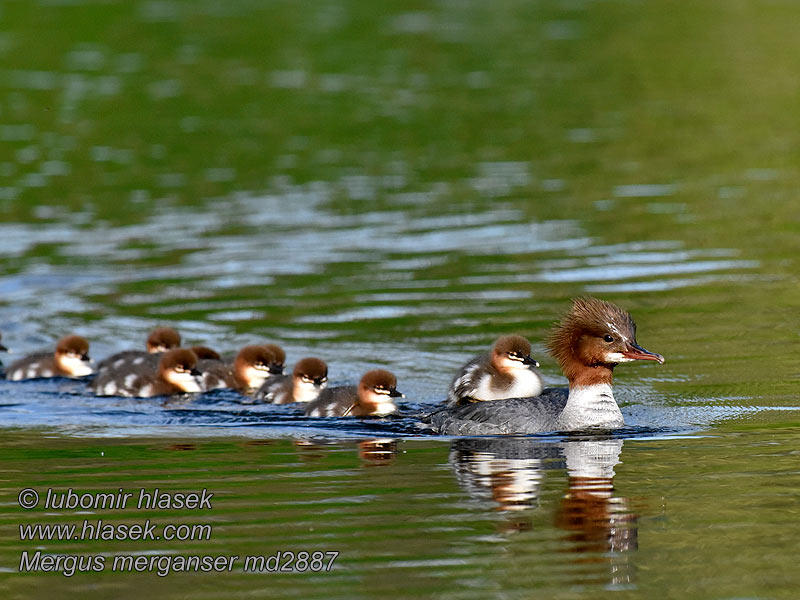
(333,402)
(128,358)
(515,415)
(277,390)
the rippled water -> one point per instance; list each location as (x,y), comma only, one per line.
(396,187)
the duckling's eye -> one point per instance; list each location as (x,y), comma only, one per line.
(608,338)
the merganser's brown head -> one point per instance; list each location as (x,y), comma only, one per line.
(162,339)
(205,353)
(276,366)
(72,356)
(512,352)
(252,365)
(376,390)
(178,367)
(310,377)
(592,339)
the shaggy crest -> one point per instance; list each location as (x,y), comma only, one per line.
(589,318)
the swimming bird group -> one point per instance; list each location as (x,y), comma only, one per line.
(499,392)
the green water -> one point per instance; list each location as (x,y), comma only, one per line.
(396,186)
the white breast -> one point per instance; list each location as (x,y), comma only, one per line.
(306,391)
(253,377)
(76,367)
(591,406)
(525,384)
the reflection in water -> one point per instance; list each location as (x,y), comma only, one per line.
(506,474)
(311,451)
(378,452)
(596,520)
(373,452)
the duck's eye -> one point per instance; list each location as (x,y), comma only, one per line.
(608,338)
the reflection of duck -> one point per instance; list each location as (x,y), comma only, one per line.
(378,452)
(507,474)
(592,339)
(374,452)
(596,520)
(503,473)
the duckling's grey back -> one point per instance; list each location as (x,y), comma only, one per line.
(515,415)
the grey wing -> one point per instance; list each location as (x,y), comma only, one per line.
(216,374)
(128,359)
(515,415)
(109,383)
(464,383)
(336,402)
(19,367)
(270,388)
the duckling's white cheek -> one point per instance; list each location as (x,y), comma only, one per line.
(255,377)
(185,382)
(380,404)
(76,367)
(306,391)
(509,364)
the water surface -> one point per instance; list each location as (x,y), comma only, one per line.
(395,187)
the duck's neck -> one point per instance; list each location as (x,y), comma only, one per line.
(591,401)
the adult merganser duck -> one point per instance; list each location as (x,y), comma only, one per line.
(504,372)
(309,378)
(70,359)
(592,339)
(372,397)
